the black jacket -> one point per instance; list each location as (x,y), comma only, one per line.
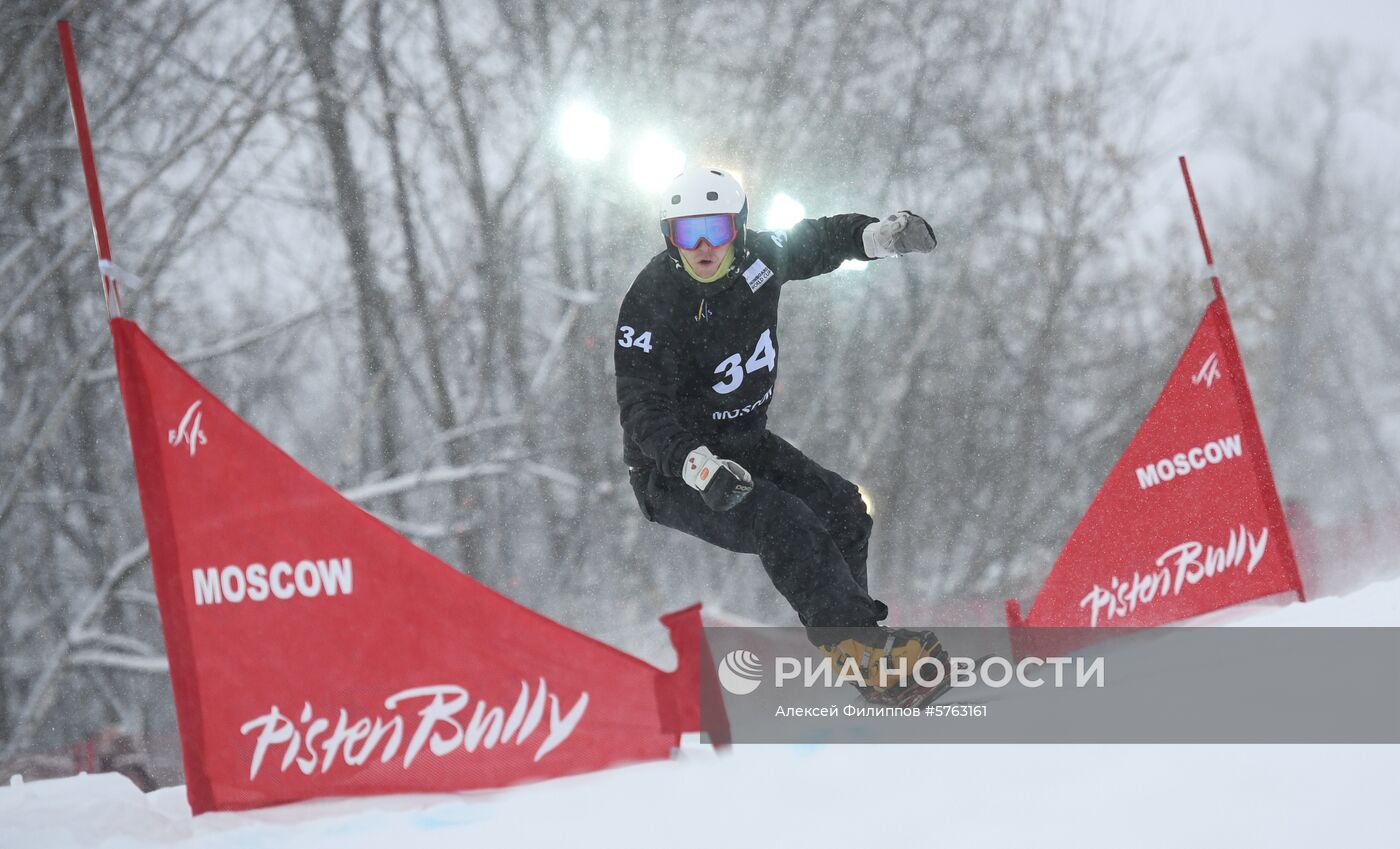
(697,362)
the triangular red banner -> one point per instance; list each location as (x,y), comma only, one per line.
(1188,520)
(314,651)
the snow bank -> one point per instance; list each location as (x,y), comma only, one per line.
(809,796)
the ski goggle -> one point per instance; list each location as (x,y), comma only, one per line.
(718,230)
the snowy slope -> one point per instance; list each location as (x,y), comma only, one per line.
(808,796)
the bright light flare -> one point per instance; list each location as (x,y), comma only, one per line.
(585,133)
(853,265)
(655,160)
(784,212)
(865,497)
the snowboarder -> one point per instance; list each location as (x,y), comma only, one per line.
(697,362)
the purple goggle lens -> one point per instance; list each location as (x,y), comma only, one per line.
(718,230)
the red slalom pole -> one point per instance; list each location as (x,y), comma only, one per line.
(1245,400)
(1200,228)
(99,220)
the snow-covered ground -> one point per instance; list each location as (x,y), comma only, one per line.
(808,796)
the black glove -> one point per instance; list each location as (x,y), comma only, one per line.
(723,484)
(902,232)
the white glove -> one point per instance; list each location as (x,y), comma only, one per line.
(722,483)
(901,232)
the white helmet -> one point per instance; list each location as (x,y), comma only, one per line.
(699,190)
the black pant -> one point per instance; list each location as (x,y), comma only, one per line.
(808,526)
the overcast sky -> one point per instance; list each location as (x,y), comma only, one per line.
(1241,46)
(1265,26)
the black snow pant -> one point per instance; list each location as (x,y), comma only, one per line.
(807,525)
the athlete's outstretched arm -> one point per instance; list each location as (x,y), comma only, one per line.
(816,246)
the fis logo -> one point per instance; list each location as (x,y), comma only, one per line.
(740,672)
(1209,372)
(189,431)
(779,238)
(704,313)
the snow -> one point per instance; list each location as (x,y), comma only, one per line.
(808,796)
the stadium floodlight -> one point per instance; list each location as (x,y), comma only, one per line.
(853,265)
(655,160)
(784,212)
(584,133)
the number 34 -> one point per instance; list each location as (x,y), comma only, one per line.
(763,356)
(643,341)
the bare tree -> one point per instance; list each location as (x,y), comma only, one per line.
(1313,258)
